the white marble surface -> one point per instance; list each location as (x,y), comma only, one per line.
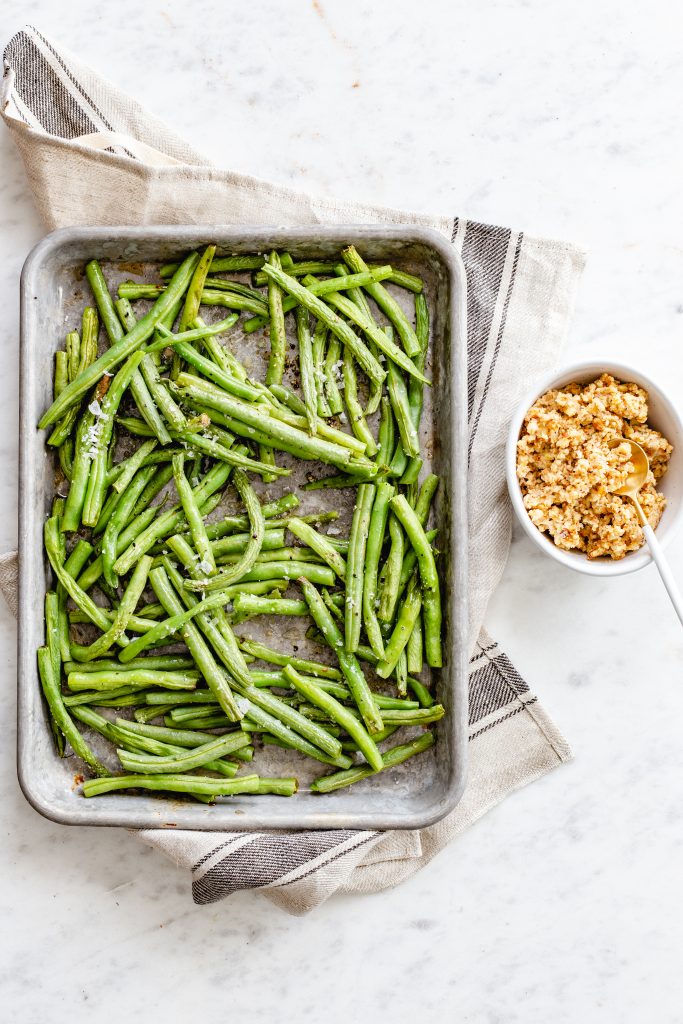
(564,903)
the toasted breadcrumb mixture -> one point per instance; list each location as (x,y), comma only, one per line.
(568,470)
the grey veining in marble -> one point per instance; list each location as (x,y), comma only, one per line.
(563,904)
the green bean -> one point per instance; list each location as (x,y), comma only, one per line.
(425,498)
(216,628)
(147,714)
(267,457)
(268,679)
(350,745)
(334,322)
(215,677)
(189,759)
(107,511)
(296,417)
(231,300)
(132,464)
(278,338)
(66,455)
(346,282)
(386,303)
(307,367)
(220,284)
(332,364)
(99,440)
(405,623)
(281,554)
(355,565)
(431,598)
(173,784)
(165,662)
(93,696)
(339,714)
(421,692)
(122,348)
(375,334)
(391,572)
(193,295)
(251,423)
(415,389)
(336,612)
(169,409)
(391,758)
(75,592)
(235,524)
(146,761)
(318,353)
(169,626)
(375,539)
(352,671)
(108,680)
(136,623)
(235,543)
(354,408)
(398,394)
(208,446)
(183,737)
(87,355)
(193,516)
(54,640)
(414,648)
(223,378)
(247,605)
(269,723)
(401,673)
(113,535)
(139,290)
(412,472)
(73,565)
(312,732)
(82,461)
(221,264)
(319,544)
(299,270)
(62,361)
(336,482)
(116,632)
(182,699)
(105,303)
(253,547)
(290,569)
(222,356)
(385,436)
(409,565)
(51,689)
(277,787)
(169,522)
(264,653)
(125,313)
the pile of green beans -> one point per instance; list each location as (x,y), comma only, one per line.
(159,423)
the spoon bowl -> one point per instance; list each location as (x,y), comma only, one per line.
(638,475)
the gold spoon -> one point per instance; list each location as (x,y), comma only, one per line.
(630,489)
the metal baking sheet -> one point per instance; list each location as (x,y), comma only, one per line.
(53,293)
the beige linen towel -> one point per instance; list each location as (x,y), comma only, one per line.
(95,156)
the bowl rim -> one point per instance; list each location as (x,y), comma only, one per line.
(634,560)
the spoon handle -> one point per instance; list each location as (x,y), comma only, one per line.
(659,558)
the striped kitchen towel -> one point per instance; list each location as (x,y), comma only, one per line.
(95,156)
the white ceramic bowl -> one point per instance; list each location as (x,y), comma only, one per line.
(663,416)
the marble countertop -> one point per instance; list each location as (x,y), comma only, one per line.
(561,904)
